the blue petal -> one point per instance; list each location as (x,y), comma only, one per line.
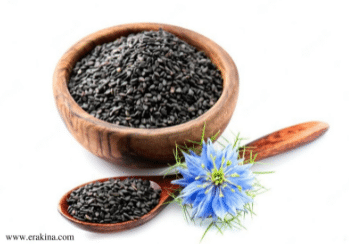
(186,174)
(245,179)
(210,152)
(231,154)
(246,184)
(228,150)
(190,198)
(240,169)
(229,200)
(224,154)
(189,192)
(219,155)
(219,206)
(182,182)
(204,160)
(244,197)
(192,153)
(196,203)
(204,204)
(187,178)
(194,165)
(204,149)
(233,199)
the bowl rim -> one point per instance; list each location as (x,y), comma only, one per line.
(68,60)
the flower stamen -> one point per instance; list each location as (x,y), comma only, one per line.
(199,177)
(208,189)
(204,185)
(220,192)
(236,185)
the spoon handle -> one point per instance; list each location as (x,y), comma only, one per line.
(285,139)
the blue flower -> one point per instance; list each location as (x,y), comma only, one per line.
(215,183)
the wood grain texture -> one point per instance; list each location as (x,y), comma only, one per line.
(133,147)
(275,143)
(286,139)
(156,182)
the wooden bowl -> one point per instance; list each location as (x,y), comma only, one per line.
(134,147)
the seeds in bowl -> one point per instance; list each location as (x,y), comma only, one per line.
(150,79)
(113,201)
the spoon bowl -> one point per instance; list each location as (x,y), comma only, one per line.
(156,182)
(270,145)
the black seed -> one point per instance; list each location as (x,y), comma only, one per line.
(163,111)
(191,109)
(88,217)
(154,73)
(112,201)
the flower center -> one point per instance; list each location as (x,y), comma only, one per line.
(217,177)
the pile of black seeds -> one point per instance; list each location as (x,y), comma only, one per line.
(146,80)
(113,201)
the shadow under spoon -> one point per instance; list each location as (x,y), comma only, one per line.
(270,145)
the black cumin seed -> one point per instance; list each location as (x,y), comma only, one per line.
(148,68)
(112,201)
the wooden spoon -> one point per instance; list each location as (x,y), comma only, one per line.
(275,143)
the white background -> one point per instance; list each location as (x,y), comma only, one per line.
(293,60)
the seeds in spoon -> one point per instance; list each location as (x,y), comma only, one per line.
(113,201)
